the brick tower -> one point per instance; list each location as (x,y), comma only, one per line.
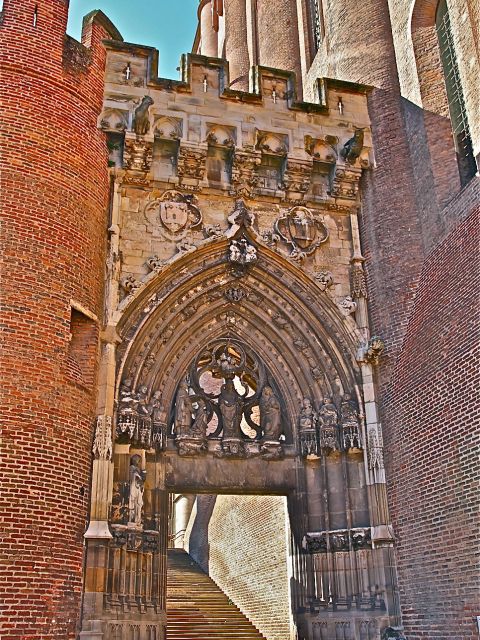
(54,201)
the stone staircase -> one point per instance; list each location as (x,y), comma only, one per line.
(197,609)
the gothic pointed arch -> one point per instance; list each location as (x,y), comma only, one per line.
(272,310)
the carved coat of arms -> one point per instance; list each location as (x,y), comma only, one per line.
(174,214)
(302,231)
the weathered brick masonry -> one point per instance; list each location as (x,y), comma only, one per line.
(433,440)
(54,202)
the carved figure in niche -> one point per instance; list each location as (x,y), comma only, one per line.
(128,399)
(141,122)
(270,415)
(202,416)
(328,421)
(231,406)
(143,407)
(158,425)
(137,482)
(183,411)
(339,541)
(350,423)
(353,148)
(308,417)
(328,413)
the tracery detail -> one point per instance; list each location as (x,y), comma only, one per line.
(227,398)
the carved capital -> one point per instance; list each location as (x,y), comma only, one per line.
(192,161)
(138,153)
(244,179)
(297,178)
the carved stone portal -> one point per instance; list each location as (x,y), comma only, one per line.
(228,399)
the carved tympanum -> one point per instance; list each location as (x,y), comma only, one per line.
(227,398)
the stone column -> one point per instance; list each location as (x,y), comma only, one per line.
(236,46)
(209,37)
(182,510)
(278,41)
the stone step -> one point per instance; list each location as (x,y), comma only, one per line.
(197,609)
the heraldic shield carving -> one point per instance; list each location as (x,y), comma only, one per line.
(302,231)
(174,214)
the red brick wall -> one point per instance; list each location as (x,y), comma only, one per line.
(54,202)
(432,442)
(392,231)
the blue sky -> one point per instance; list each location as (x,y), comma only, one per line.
(168,25)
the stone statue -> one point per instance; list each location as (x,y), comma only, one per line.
(270,415)
(156,408)
(353,147)
(327,414)
(349,411)
(231,408)
(137,482)
(375,349)
(235,253)
(128,399)
(200,424)
(307,418)
(183,410)
(143,407)
(141,122)
(328,421)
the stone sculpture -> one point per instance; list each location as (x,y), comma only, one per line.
(141,122)
(137,482)
(328,421)
(230,404)
(307,424)
(353,148)
(270,415)
(183,411)
(375,349)
(350,423)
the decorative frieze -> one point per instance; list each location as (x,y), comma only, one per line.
(338,540)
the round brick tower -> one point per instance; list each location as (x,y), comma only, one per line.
(55,206)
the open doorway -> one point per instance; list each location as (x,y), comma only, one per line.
(242,542)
